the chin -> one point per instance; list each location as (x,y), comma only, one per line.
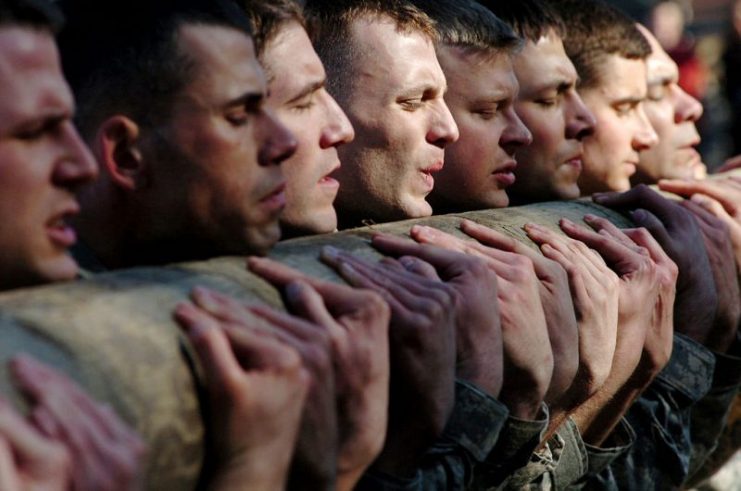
(260,242)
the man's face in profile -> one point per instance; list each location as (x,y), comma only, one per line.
(555,114)
(673,114)
(302,103)
(401,122)
(43,161)
(479,167)
(221,148)
(622,129)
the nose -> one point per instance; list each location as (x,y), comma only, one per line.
(77,167)
(686,107)
(338,129)
(644,136)
(443,130)
(277,143)
(580,121)
(515,134)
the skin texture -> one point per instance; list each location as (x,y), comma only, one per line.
(43,162)
(528,357)
(28,460)
(402,125)
(673,113)
(611,153)
(356,322)
(257,386)
(557,118)
(103,451)
(721,197)
(677,232)
(220,148)
(594,289)
(720,253)
(472,285)
(480,165)
(422,342)
(647,279)
(296,81)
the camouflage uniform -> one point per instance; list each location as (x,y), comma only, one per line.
(472,431)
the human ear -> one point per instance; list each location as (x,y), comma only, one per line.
(119,153)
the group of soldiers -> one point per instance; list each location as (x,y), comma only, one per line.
(162,131)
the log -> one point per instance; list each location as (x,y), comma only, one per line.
(114,333)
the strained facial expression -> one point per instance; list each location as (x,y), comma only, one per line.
(43,161)
(482,88)
(555,114)
(296,81)
(611,153)
(401,122)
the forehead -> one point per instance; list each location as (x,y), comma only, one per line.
(224,59)
(478,76)
(290,59)
(543,65)
(31,80)
(392,58)
(659,66)
(620,78)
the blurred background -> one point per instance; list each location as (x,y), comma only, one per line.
(704,38)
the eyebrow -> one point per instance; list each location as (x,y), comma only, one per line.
(309,89)
(628,100)
(422,88)
(249,99)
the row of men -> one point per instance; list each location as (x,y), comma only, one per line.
(211,127)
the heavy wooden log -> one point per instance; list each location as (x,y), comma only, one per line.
(114,333)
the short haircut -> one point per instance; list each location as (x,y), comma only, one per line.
(469,26)
(38,14)
(268,17)
(329,25)
(530,19)
(596,30)
(124,57)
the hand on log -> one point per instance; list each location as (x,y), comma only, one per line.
(720,252)
(104,453)
(422,346)
(258,374)
(679,235)
(594,288)
(644,338)
(474,289)
(528,357)
(356,321)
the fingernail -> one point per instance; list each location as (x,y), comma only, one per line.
(532,226)
(589,217)
(698,198)
(293,291)
(407,262)
(347,269)
(599,197)
(565,222)
(638,215)
(330,252)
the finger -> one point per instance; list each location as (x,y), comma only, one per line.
(620,256)
(419,267)
(710,188)
(649,221)
(730,164)
(715,207)
(273,272)
(8,472)
(707,221)
(433,236)
(642,237)
(210,344)
(492,238)
(23,438)
(223,307)
(640,197)
(307,303)
(599,224)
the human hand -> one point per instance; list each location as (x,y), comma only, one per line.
(730,164)
(356,321)
(677,232)
(719,196)
(257,384)
(422,344)
(595,292)
(29,461)
(720,252)
(473,288)
(557,306)
(528,357)
(104,452)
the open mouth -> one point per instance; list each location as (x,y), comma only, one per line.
(60,232)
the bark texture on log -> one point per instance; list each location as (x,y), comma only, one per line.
(115,335)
